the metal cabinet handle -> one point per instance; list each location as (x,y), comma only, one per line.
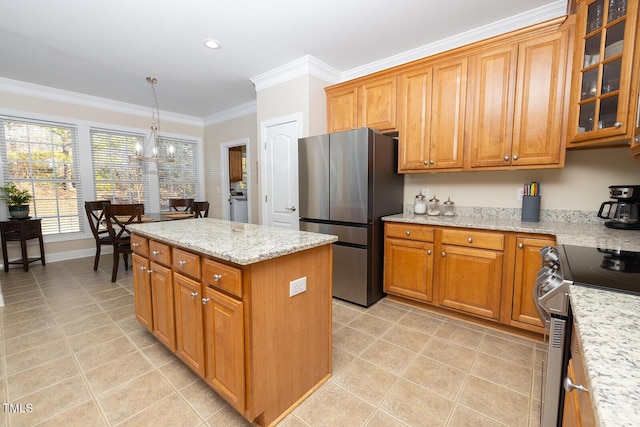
(424,162)
(515,157)
(217,277)
(408,233)
(182,263)
(470,240)
(617,124)
(442,253)
(428,251)
(205,300)
(570,385)
(637,139)
(291,209)
(135,245)
(154,253)
(506,158)
(149,272)
(431,162)
(194,294)
(520,245)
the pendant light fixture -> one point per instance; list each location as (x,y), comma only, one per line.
(150,152)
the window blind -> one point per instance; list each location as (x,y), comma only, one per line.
(42,157)
(178,180)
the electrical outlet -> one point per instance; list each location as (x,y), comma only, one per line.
(298,286)
(519,193)
(425,193)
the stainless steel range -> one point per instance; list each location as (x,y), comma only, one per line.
(567,265)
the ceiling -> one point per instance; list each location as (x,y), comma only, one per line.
(108,48)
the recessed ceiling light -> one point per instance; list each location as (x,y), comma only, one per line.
(211,44)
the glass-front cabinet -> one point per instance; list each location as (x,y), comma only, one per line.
(604,96)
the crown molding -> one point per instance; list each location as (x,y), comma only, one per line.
(28,89)
(306,65)
(525,19)
(231,113)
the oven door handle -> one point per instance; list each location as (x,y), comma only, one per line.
(544,316)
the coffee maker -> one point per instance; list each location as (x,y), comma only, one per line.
(624,212)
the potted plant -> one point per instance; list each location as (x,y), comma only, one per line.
(17,200)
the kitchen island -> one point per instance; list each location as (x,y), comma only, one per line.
(246,307)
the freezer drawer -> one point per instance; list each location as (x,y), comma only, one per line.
(350,274)
(346,234)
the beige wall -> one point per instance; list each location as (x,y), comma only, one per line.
(228,131)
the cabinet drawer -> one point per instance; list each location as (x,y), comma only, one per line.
(473,238)
(224,277)
(160,253)
(409,231)
(140,245)
(187,263)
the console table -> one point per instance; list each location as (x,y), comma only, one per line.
(21,231)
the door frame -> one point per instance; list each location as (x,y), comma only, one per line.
(264,124)
(224,170)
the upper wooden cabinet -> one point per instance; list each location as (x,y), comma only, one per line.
(432,105)
(369,102)
(604,92)
(518,103)
(235,165)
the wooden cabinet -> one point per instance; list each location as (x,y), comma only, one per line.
(519,104)
(526,267)
(604,92)
(189,322)
(164,326)
(408,261)
(432,109)
(142,290)
(369,102)
(235,165)
(470,267)
(578,409)
(224,342)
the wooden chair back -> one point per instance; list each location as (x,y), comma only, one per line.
(200,209)
(95,215)
(180,205)
(118,217)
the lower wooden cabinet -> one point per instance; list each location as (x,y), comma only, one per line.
(189,326)
(142,291)
(164,326)
(224,342)
(578,409)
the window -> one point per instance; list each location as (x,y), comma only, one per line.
(42,157)
(116,177)
(178,180)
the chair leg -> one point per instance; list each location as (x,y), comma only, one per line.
(114,271)
(97,260)
(126,261)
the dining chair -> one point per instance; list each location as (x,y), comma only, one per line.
(200,209)
(180,205)
(95,214)
(117,218)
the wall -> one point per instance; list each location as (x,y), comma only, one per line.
(231,130)
(581,185)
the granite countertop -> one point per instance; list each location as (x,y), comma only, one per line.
(608,326)
(236,242)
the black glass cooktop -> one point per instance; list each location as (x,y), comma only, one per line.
(603,268)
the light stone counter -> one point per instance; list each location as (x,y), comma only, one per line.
(236,242)
(608,325)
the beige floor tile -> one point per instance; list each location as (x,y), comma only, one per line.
(23,316)
(27,327)
(390,312)
(508,349)
(334,406)
(158,354)
(142,338)
(416,405)
(203,399)
(370,325)
(367,381)
(17,297)
(344,315)
(86,414)
(289,421)
(436,376)
(122,312)
(495,401)
(465,417)
(134,396)
(352,340)
(21,305)
(64,304)
(117,371)
(111,294)
(104,352)
(450,353)
(229,418)
(85,324)
(85,340)
(502,372)
(389,356)
(172,411)
(178,374)
(77,313)
(36,356)
(402,336)
(462,335)
(41,376)
(381,419)
(339,359)
(421,322)
(35,339)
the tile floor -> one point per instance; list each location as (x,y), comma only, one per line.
(73,354)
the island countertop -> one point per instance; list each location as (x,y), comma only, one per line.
(235,242)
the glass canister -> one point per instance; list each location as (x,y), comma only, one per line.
(420,205)
(434,208)
(448,208)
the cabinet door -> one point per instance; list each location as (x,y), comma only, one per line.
(163,310)
(528,262)
(446,125)
(493,75)
(224,343)
(235,165)
(189,326)
(342,108)
(540,112)
(415,110)
(377,104)
(408,268)
(470,280)
(142,291)
(604,92)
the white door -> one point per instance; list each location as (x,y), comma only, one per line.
(280,172)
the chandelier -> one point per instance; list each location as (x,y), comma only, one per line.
(150,152)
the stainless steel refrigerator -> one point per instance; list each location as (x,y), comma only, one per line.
(348,181)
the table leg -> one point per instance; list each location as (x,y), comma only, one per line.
(41,250)
(5,256)
(25,257)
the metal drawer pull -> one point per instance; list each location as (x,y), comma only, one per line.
(520,245)
(408,233)
(428,251)
(570,386)
(135,245)
(515,157)
(217,277)
(182,263)
(470,240)
(205,300)
(506,158)
(154,253)
(617,124)
(194,294)
(149,272)
(443,254)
